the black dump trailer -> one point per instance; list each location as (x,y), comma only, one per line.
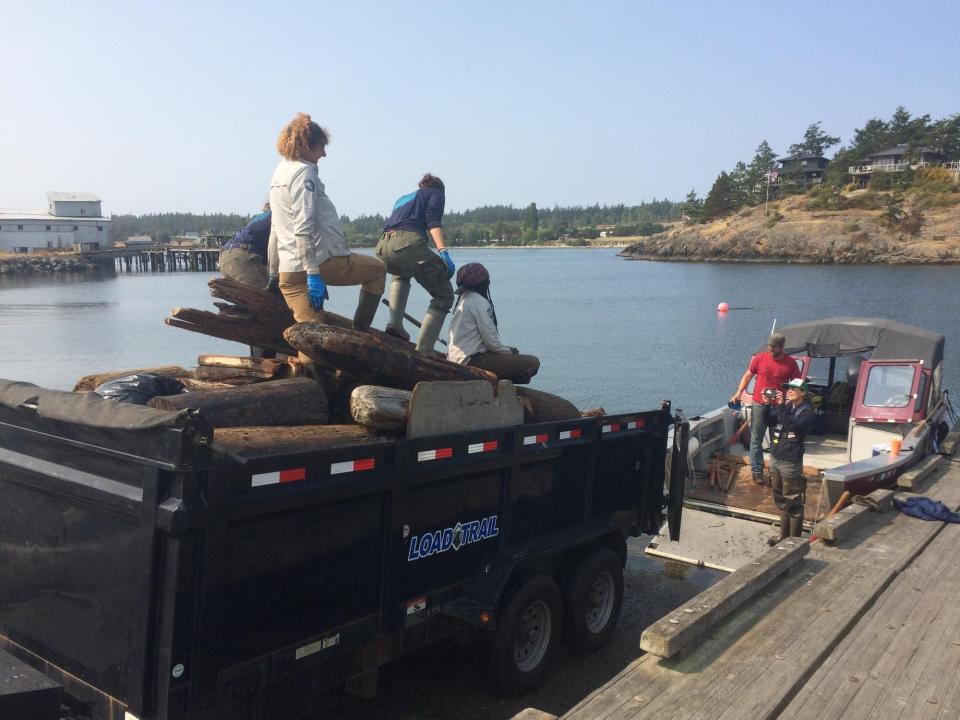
(154,575)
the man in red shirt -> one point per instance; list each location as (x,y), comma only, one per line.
(772,369)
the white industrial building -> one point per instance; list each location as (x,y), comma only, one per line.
(72,221)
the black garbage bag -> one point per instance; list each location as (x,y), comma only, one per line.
(139,389)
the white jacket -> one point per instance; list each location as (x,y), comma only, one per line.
(306,223)
(472,329)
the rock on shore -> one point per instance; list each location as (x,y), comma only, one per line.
(790,232)
(29,264)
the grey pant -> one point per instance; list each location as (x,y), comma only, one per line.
(789,486)
(244,267)
(407,255)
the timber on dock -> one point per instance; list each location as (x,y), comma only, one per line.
(868,626)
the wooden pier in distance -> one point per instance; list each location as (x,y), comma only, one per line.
(866,627)
(159,258)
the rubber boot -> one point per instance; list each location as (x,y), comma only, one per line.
(399,292)
(784,529)
(366,309)
(796,525)
(429,332)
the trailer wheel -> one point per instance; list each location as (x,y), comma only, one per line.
(528,636)
(592,598)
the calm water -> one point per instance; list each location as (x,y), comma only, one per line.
(608,331)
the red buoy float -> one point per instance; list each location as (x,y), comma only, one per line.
(723,307)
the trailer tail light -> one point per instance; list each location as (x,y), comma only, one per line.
(352,466)
(483,447)
(569,434)
(484,617)
(534,439)
(281,476)
(438,454)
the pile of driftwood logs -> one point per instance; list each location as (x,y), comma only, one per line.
(360,384)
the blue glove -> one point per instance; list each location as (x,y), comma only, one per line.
(451,268)
(317,291)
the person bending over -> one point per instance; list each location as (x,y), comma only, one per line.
(311,248)
(474,337)
(792,418)
(405,250)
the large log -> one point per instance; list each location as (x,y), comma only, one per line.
(375,361)
(539,406)
(241,330)
(90,382)
(267,308)
(297,401)
(258,441)
(271,367)
(380,408)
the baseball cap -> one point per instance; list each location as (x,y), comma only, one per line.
(795,384)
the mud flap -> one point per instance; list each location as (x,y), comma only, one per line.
(676,482)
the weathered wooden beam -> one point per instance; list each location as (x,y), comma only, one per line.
(239,330)
(270,366)
(89,382)
(695,619)
(260,441)
(839,526)
(539,406)
(297,401)
(911,479)
(380,408)
(374,360)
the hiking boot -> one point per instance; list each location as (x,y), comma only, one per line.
(758,478)
(396,332)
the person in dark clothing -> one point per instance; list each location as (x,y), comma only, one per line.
(791,418)
(405,249)
(244,257)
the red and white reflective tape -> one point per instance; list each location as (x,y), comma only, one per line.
(634,424)
(438,454)
(483,447)
(569,434)
(352,466)
(534,439)
(612,427)
(281,476)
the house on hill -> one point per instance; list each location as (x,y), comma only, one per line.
(802,170)
(897,159)
(71,221)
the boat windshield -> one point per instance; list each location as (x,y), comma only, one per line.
(889,386)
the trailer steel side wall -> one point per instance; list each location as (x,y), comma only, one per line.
(152,574)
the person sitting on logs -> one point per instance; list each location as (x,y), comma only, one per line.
(474,336)
(244,258)
(311,248)
(405,250)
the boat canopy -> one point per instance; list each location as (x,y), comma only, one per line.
(874,338)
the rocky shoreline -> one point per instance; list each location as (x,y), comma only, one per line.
(46,264)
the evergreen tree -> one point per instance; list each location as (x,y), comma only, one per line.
(720,200)
(764,160)
(531,218)
(690,208)
(815,142)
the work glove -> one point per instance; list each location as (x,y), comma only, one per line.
(451,268)
(316,291)
(273,285)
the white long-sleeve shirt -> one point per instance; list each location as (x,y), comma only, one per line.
(306,223)
(472,329)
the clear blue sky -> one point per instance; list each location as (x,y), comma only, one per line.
(176,106)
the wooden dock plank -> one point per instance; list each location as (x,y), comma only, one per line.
(912,478)
(693,620)
(836,527)
(906,653)
(758,659)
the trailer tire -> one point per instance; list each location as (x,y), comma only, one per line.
(592,598)
(528,636)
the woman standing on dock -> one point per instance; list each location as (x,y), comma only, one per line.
(311,247)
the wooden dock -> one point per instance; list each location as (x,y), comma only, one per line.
(868,627)
(159,259)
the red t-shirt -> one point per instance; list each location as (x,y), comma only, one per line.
(771,372)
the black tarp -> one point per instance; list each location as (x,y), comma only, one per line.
(874,338)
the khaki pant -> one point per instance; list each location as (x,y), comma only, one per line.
(407,255)
(244,267)
(507,366)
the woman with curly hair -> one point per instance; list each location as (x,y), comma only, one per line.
(474,337)
(311,249)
